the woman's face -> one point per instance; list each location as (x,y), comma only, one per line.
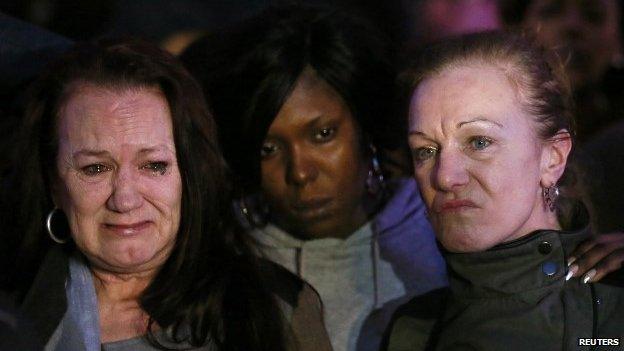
(477,158)
(313,167)
(586,33)
(118,178)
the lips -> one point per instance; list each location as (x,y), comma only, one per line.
(312,208)
(127,229)
(449,206)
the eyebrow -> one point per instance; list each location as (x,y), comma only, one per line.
(479,119)
(156,148)
(90,152)
(102,153)
(461,124)
(313,121)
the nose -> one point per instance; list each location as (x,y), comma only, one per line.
(125,194)
(301,168)
(450,171)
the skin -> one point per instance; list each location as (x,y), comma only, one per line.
(586,33)
(313,167)
(120,187)
(478,160)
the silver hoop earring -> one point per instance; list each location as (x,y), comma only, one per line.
(252,211)
(550,195)
(49,226)
(375,181)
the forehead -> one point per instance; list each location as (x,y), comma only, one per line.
(464,92)
(97,116)
(310,99)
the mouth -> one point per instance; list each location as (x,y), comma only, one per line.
(455,206)
(127,229)
(312,208)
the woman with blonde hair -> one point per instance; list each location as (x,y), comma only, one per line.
(491,130)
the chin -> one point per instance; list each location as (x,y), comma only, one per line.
(462,241)
(133,257)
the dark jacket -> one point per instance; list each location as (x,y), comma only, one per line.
(46,303)
(514,297)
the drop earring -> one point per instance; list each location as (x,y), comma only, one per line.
(550,195)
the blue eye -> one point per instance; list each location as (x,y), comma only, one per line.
(424,153)
(159,167)
(267,149)
(480,142)
(94,169)
(324,134)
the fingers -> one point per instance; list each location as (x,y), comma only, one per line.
(581,250)
(595,258)
(611,263)
(616,238)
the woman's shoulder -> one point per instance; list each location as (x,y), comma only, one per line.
(281,282)
(46,301)
(303,307)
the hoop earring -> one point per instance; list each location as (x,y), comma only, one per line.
(550,195)
(49,226)
(251,214)
(375,181)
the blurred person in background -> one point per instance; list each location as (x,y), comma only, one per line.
(25,49)
(435,20)
(587,35)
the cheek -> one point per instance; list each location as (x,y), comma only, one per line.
(83,202)
(422,175)
(80,199)
(347,170)
(273,183)
(511,186)
(165,195)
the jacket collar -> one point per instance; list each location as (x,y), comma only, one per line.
(532,263)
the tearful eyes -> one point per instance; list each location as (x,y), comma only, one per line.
(94,169)
(156,168)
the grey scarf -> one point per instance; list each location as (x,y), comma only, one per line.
(80,328)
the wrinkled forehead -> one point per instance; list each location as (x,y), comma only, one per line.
(105,117)
(459,93)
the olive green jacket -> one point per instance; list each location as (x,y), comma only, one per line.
(514,297)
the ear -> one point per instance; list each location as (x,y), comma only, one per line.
(555,157)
